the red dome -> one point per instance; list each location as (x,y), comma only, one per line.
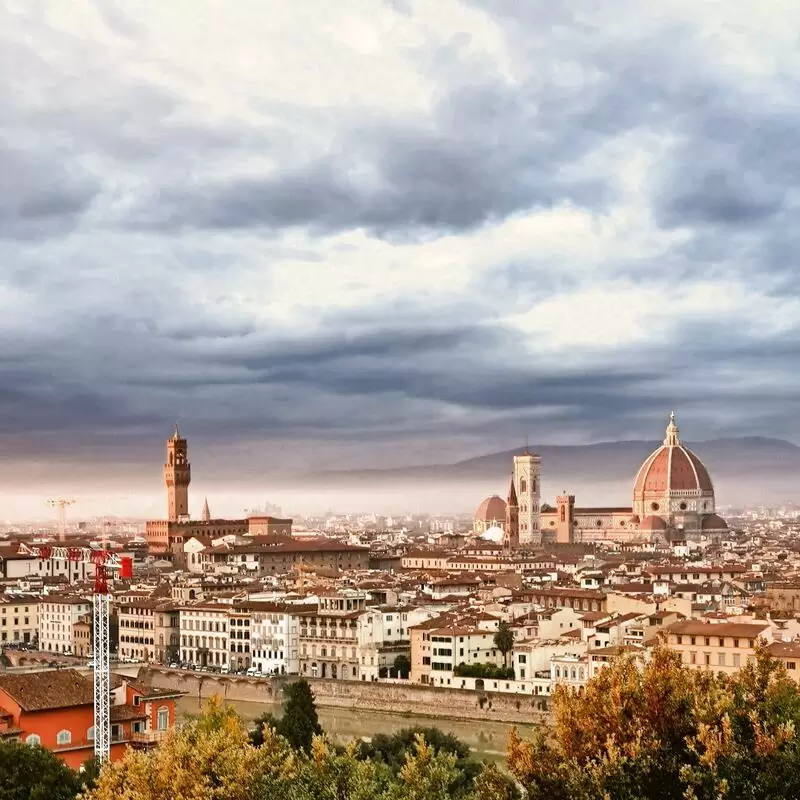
(491,509)
(713,522)
(672,467)
(653,524)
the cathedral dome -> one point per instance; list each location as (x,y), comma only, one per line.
(672,468)
(491,510)
(714,522)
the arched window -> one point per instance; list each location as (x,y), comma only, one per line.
(90,734)
(33,740)
(64,737)
(574,674)
(558,672)
(344,672)
(523,486)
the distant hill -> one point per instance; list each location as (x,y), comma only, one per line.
(756,459)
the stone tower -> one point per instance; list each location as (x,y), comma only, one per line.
(511,532)
(177,476)
(565,522)
(527,468)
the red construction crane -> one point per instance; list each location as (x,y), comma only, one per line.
(105,563)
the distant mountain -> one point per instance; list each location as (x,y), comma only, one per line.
(756,459)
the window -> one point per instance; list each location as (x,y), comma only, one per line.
(790,665)
(63,737)
(90,734)
(722,659)
(33,740)
(163,718)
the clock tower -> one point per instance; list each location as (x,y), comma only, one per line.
(177,475)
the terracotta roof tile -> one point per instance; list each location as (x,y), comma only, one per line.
(39,691)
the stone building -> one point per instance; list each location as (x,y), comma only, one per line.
(58,614)
(328,637)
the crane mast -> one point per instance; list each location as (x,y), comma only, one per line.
(104,563)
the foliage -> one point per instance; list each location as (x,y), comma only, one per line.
(504,640)
(491,671)
(299,723)
(393,750)
(402,665)
(211,758)
(33,773)
(668,732)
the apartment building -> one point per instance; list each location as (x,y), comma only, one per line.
(58,615)
(721,646)
(383,636)
(328,636)
(274,632)
(440,644)
(239,638)
(149,630)
(204,634)
(19,618)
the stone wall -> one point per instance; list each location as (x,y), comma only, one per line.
(393,697)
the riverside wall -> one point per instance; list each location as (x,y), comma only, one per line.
(407,698)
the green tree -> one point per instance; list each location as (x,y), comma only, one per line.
(299,723)
(33,773)
(403,666)
(504,640)
(393,750)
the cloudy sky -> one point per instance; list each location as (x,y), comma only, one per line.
(388,232)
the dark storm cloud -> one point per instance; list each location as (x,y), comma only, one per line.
(126,326)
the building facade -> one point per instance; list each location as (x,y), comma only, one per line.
(58,615)
(19,618)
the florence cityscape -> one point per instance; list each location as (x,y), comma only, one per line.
(398,400)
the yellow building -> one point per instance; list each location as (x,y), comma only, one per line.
(721,646)
(19,618)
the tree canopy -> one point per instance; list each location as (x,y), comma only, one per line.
(504,640)
(668,732)
(33,773)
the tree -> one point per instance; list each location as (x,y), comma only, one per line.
(403,666)
(33,773)
(299,723)
(504,640)
(393,750)
(664,731)
(210,758)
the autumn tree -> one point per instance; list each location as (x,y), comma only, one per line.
(504,640)
(665,731)
(211,758)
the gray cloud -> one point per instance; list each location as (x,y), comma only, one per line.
(143,228)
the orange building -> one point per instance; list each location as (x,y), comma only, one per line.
(55,709)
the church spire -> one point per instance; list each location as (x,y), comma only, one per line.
(206,515)
(671,439)
(176,434)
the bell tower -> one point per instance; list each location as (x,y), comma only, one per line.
(527,468)
(177,476)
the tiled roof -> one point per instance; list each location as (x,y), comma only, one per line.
(39,691)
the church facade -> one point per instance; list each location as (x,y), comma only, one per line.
(673,497)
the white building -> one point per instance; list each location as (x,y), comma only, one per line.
(204,634)
(383,636)
(58,614)
(273,639)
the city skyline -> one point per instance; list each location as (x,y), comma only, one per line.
(402,234)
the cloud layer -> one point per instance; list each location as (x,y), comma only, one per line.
(369,234)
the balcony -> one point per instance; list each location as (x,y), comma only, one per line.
(147,737)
